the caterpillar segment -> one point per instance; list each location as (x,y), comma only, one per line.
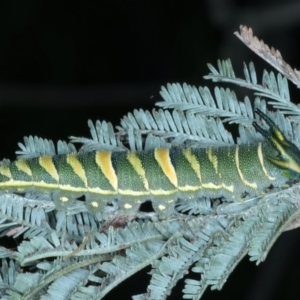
(159,175)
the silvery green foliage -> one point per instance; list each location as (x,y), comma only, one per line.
(35,147)
(72,254)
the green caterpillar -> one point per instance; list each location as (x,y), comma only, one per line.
(161,175)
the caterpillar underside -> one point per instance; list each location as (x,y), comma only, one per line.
(160,175)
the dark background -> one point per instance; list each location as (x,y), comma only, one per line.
(64,62)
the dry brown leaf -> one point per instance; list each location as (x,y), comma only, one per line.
(271,56)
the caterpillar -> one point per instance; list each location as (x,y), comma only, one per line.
(161,175)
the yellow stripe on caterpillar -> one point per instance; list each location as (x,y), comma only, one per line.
(138,167)
(101,191)
(161,192)
(103,160)
(192,159)
(162,156)
(15,183)
(22,165)
(39,184)
(212,158)
(261,160)
(73,161)
(133,193)
(5,171)
(212,186)
(189,188)
(46,162)
(237,163)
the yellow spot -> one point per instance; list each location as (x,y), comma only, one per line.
(4,170)
(261,160)
(46,162)
(161,207)
(77,167)
(162,156)
(138,167)
(64,199)
(127,206)
(192,159)
(237,163)
(94,204)
(22,165)
(212,158)
(103,160)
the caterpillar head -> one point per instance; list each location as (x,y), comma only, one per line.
(288,157)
